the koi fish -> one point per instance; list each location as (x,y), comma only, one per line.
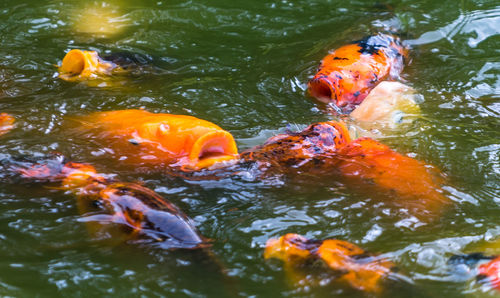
(109,70)
(103,202)
(326,149)
(179,141)
(348,74)
(6,123)
(361,270)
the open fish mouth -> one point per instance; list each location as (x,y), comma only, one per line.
(212,148)
(322,89)
(78,64)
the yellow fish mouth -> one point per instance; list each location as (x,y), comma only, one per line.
(212,148)
(78,65)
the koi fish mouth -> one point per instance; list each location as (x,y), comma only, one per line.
(78,64)
(322,88)
(212,148)
(73,63)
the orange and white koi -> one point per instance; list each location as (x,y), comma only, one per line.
(346,76)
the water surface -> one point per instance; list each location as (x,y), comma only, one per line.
(244,65)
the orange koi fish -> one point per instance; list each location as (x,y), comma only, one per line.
(6,123)
(326,149)
(140,210)
(353,265)
(346,76)
(164,139)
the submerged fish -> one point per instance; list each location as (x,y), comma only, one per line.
(103,202)
(6,123)
(179,141)
(326,149)
(348,74)
(98,20)
(345,261)
(387,106)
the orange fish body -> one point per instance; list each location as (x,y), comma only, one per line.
(347,75)
(368,160)
(326,149)
(358,268)
(6,123)
(178,140)
(491,271)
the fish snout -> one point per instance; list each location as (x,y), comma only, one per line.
(73,64)
(78,64)
(212,148)
(322,87)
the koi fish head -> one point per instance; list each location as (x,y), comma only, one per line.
(323,88)
(307,150)
(78,65)
(212,148)
(346,76)
(202,147)
(179,141)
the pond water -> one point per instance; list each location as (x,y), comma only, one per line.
(244,65)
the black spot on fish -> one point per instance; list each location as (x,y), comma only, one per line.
(340,58)
(373,44)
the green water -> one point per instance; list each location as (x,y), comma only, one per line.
(244,65)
